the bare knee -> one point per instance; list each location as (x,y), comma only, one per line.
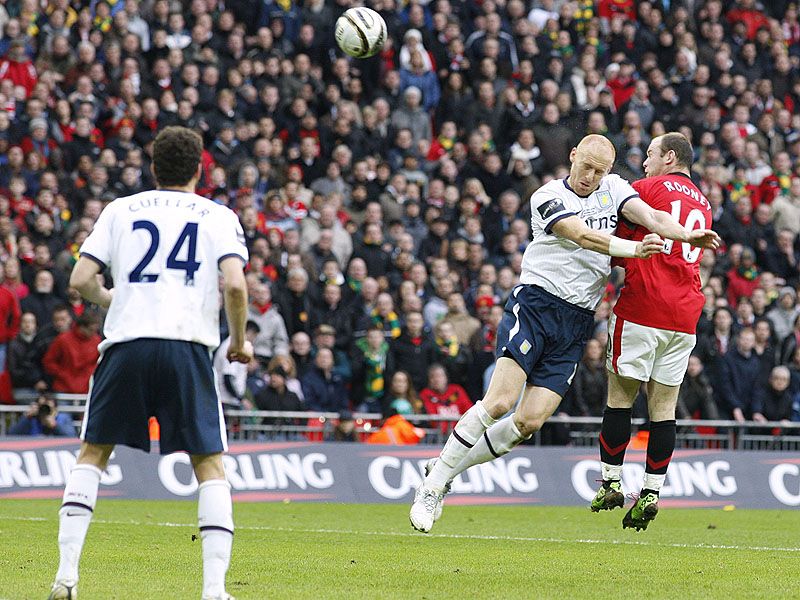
(529,424)
(498,405)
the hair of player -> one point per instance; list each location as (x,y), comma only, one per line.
(176,154)
(682,148)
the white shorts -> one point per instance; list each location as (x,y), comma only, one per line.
(644,353)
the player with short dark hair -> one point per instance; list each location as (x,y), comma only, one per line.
(651,333)
(165,249)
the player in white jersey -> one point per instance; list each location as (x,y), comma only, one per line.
(549,317)
(165,249)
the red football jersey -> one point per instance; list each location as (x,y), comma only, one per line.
(664,290)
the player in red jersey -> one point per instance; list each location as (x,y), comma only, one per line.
(652,331)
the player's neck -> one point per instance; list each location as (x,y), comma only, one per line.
(187,189)
(679,172)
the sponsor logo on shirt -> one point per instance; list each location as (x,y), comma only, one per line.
(548,209)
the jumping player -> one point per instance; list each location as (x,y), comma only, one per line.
(652,330)
(165,249)
(549,317)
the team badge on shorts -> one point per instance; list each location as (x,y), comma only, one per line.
(525,347)
(604,199)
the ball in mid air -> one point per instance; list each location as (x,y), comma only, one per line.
(360,32)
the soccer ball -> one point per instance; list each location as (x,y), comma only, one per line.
(360,32)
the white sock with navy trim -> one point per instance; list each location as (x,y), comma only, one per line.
(497,441)
(75,515)
(466,433)
(215,519)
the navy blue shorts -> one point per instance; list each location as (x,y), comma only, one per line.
(170,380)
(545,335)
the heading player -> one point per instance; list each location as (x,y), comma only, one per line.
(549,317)
(165,249)
(652,330)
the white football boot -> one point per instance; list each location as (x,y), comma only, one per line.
(423,510)
(428,467)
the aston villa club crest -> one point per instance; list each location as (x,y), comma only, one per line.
(604,199)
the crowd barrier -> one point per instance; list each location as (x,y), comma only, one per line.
(361,473)
(264,426)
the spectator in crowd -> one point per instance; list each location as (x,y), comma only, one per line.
(586,396)
(414,351)
(58,322)
(400,397)
(790,343)
(744,279)
(71,358)
(272,337)
(764,346)
(713,347)
(323,389)
(276,396)
(442,398)
(695,398)
(338,315)
(776,398)
(451,354)
(464,325)
(9,322)
(44,418)
(324,337)
(23,357)
(369,370)
(784,314)
(42,300)
(295,303)
(300,352)
(740,379)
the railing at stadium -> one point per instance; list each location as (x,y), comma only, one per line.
(579,431)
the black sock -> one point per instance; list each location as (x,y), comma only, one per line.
(615,435)
(660,446)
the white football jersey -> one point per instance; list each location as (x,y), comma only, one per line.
(560,266)
(163,249)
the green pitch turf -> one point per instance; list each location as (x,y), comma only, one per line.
(145,550)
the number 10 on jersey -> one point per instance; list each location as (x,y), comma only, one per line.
(693,219)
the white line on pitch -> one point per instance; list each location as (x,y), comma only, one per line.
(455,536)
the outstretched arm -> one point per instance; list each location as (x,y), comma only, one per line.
(638,211)
(574,229)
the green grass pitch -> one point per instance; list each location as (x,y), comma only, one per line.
(145,550)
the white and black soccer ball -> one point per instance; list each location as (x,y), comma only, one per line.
(360,32)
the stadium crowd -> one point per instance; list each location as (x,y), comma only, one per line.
(384,200)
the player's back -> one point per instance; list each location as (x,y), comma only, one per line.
(664,291)
(163,249)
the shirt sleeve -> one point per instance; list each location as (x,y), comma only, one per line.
(231,238)
(622,191)
(98,245)
(547,210)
